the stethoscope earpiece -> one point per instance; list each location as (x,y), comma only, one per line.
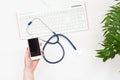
(29,23)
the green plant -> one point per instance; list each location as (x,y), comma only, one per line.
(111,29)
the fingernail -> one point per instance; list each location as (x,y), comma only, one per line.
(42,53)
(27,48)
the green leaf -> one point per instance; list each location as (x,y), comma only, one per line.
(111,29)
(116,37)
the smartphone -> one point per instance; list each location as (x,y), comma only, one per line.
(34,48)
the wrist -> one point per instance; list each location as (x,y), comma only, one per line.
(27,70)
(28,74)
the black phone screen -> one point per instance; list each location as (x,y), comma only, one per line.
(34,47)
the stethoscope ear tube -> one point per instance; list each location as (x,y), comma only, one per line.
(52,43)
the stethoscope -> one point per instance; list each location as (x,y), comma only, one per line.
(55,35)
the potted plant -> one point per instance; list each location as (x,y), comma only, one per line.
(111,29)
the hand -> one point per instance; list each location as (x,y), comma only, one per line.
(30,65)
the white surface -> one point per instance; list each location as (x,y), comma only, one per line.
(81,66)
(67,19)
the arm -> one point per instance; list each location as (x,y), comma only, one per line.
(30,66)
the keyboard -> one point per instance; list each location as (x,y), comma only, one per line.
(64,20)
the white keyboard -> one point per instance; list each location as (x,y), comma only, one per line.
(66,20)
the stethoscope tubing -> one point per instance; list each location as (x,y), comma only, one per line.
(56,42)
(53,43)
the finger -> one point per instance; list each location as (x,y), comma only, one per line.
(28,54)
(42,52)
(40,44)
(27,59)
